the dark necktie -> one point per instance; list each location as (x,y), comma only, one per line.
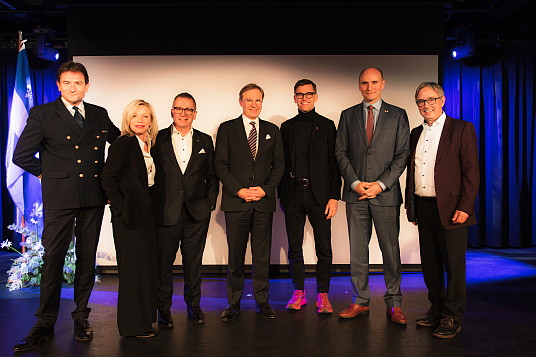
(252,140)
(370,123)
(78,117)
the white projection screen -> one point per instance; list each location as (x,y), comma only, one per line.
(215,81)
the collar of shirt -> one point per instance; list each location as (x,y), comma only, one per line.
(438,122)
(376,106)
(175,131)
(69,107)
(247,126)
(142,144)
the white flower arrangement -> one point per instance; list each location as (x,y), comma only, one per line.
(26,269)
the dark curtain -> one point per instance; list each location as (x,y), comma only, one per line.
(497,96)
(43,76)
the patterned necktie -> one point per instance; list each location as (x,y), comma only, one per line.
(78,117)
(370,124)
(252,140)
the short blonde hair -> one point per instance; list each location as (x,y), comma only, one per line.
(128,113)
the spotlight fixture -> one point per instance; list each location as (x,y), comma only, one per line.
(45,50)
(465,49)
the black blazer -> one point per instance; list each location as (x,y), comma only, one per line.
(124,179)
(323,169)
(197,187)
(236,168)
(70,159)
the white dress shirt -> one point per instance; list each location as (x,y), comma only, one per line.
(182,146)
(149,164)
(425,157)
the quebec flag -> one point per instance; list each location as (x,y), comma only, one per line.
(24,188)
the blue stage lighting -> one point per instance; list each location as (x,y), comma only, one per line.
(465,49)
(45,50)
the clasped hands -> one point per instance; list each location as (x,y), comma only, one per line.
(368,190)
(251,194)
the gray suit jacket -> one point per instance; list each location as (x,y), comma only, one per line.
(384,160)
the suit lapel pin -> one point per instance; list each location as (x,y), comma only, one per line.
(202,151)
(104,131)
(316,128)
(386,111)
(268,136)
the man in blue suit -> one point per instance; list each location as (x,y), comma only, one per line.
(372,149)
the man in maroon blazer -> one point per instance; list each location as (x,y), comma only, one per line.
(441,188)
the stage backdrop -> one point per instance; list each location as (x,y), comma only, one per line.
(215,81)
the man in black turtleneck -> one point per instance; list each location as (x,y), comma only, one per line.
(310,187)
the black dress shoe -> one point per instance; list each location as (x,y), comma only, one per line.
(265,310)
(34,338)
(146,335)
(428,319)
(448,328)
(230,313)
(196,315)
(165,319)
(83,330)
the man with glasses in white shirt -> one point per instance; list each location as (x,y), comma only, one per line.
(441,188)
(184,196)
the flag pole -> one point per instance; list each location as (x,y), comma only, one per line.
(22,220)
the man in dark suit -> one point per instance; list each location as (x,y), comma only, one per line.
(70,136)
(372,147)
(249,162)
(184,195)
(442,184)
(311,187)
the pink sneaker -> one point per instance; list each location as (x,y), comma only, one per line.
(323,304)
(297,301)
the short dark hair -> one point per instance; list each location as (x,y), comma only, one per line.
(250,86)
(187,96)
(364,69)
(71,66)
(304,82)
(432,85)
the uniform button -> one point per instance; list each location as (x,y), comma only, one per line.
(98,136)
(76,147)
(96,148)
(96,161)
(79,161)
(81,175)
(96,175)
(68,137)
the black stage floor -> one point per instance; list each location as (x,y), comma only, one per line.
(500,319)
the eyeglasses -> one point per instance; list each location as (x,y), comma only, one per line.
(307,95)
(187,111)
(430,101)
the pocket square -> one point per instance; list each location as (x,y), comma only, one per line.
(202,151)
(268,136)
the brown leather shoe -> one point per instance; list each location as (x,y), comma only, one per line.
(352,311)
(397,315)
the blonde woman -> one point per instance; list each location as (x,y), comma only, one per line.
(126,179)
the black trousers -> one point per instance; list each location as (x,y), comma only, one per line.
(239,226)
(59,226)
(302,204)
(442,254)
(191,236)
(136,260)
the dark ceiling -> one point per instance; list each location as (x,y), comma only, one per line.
(65,23)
